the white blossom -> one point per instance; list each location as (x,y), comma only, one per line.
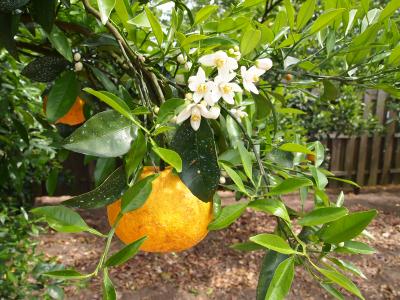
(195,111)
(201,88)
(181,59)
(187,66)
(221,60)
(251,76)
(224,88)
(239,112)
(264,64)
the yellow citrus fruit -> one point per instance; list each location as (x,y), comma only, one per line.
(172,218)
(74,116)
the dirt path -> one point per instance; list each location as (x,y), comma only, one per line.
(211,270)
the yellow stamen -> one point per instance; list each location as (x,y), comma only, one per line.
(256,78)
(195,117)
(220,62)
(225,88)
(202,88)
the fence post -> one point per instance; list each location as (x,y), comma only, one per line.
(388,150)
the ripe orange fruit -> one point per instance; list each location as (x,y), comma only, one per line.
(288,77)
(172,218)
(74,116)
(311,157)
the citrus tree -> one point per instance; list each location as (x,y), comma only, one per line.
(184,99)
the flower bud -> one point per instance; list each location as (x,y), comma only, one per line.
(78,67)
(188,66)
(264,64)
(231,51)
(236,48)
(189,96)
(222,180)
(77,56)
(156,109)
(181,59)
(141,58)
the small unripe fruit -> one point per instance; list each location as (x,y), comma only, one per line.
(78,67)
(288,77)
(77,56)
(222,180)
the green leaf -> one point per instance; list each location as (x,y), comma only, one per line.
(394,58)
(325,19)
(125,253)
(345,181)
(250,3)
(136,154)
(389,10)
(320,178)
(273,242)
(60,42)
(228,215)
(354,247)
(246,160)
(9,26)
(155,26)
(108,192)
(272,206)
(104,167)
(112,100)
(282,280)
(62,219)
(66,274)
(191,39)
(289,185)
(250,40)
(289,12)
(322,216)
(140,20)
(270,263)
(216,205)
(51,182)
(319,153)
(293,147)
(106,134)
(331,290)
(105,8)
(137,194)
(305,13)
(169,156)
(109,292)
(347,266)
(246,246)
(347,227)
(44,12)
(62,96)
(235,177)
(103,79)
(45,69)
(204,13)
(341,280)
(340,199)
(200,171)
(168,109)
(331,92)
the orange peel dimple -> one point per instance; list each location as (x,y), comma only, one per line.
(172,218)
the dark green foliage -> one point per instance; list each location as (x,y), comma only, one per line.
(10,5)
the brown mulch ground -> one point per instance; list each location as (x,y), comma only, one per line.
(211,270)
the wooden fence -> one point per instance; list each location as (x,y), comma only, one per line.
(369,159)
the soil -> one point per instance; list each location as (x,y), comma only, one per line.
(212,270)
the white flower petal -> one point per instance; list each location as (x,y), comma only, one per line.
(228,98)
(207,60)
(235,87)
(214,112)
(197,97)
(252,88)
(184,114)
(201,75)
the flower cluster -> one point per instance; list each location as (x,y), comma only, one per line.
(207,93)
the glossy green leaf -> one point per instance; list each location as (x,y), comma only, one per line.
(109,292)
(113,101)
(51,182)
(290,185)
(107,134)
(272,206)
(169,109)
(319,153)
(270,263)
(140,20)
(251,3)
(155,26)
(282,280)
(325,19)
(105,8)
(389,10)
(246,160)
(137,194)
(250,39)
(347,266)
(345,181)
(235,177)
(125,253)
(136,154)
(60,42)
(331,290)
(204,13)
(103,78)
(322,216)
(62,96)
(347,227)
(228,215)
(108,192)
(394,58)
(341,280)
(191,39)
(305,13)
(169,156)
(247,246)
(66,274)
(331,92)
(273,242)
(200,171)
(217,208)
(320,178)
(104,167)
(354,247)
(293,147)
